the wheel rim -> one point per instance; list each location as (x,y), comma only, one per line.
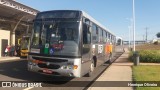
(92,67)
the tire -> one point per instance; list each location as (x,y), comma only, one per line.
(89,74)
(110,58)
(109,61)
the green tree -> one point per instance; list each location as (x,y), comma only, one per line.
(158,35)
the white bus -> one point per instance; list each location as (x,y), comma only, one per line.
(68,43)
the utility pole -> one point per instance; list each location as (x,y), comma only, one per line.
(133,25)
(130,31)
(129,27)
(146,33)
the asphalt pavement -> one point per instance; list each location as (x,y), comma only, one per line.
(15,69)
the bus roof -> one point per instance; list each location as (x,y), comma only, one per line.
(96,22)
(85,15)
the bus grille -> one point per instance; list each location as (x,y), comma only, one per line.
(50,66)
(50,59)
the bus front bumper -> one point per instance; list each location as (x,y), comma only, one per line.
(62,69)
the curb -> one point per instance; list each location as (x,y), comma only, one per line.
(9,58)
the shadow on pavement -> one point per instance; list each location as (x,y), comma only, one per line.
(18,70)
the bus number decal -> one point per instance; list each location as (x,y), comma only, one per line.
(100,48)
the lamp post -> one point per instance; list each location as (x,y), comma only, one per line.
(135,55)
(130,31)
(129,27)
(146,33)
(133,25)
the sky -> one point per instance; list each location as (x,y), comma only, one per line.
(113,14)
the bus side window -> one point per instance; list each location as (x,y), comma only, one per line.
(106,36)
(100,35)
(94,34)
(86,34)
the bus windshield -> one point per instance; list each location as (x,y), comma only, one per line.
(61,37)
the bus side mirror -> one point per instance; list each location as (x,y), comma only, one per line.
(89,28)
(87,21)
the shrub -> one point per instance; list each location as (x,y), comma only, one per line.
(150,56)
(131,56)
(156,42)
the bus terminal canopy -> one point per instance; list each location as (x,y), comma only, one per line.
(14,12)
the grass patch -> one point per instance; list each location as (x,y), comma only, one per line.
(149,53)
(147,47)
(146,73)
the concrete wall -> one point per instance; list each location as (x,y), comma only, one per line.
(4,34)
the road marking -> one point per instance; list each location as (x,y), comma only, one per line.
(28,88)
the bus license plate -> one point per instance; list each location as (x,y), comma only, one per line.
(47,71)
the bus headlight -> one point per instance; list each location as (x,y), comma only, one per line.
(69,67)
(64,67)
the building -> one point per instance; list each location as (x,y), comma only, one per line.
(15,21)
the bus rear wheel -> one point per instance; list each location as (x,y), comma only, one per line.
(89,74)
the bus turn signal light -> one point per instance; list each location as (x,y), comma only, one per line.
(75,67)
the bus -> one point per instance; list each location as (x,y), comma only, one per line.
(24,46)
(68,43)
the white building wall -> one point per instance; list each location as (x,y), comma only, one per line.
(4,34)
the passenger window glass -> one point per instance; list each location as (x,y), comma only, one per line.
(100,35)
(104,36)
(86,34)
(94,34)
